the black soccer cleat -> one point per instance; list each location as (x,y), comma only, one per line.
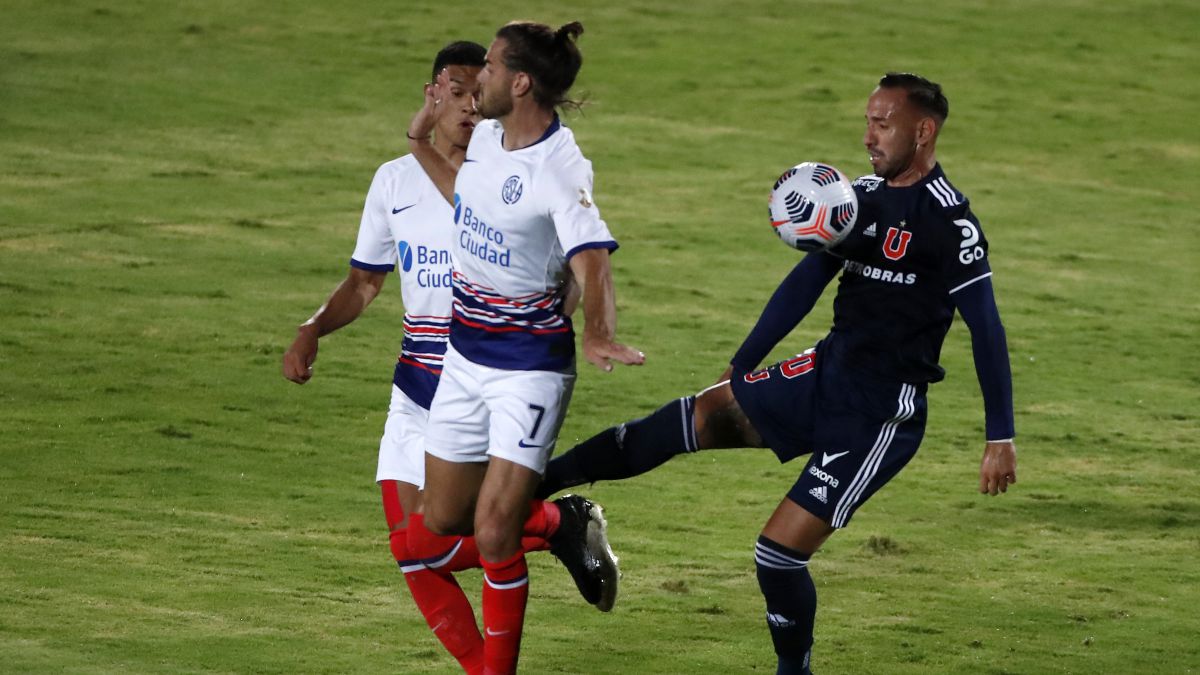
(581,544)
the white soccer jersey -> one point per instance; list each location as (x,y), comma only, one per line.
(406,221)
(520,216)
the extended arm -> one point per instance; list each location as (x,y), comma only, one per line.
(792,301)
(344,305)
(440,168)
(594,275)
(977,305)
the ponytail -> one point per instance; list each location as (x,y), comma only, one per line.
(549,56)
(568,32)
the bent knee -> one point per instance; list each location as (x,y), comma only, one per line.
(443,521)
(720,422)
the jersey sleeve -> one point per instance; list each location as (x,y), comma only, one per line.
(977,305)
(790,303)
(375,250)
(576,218)
(963,249)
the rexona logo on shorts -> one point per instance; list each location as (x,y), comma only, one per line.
(433,264)
(833,482)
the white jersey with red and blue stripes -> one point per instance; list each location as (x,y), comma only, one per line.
(407,224)
(520,215)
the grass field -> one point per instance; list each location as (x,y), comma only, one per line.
(180,185)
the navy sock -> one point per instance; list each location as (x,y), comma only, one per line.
(624,451)
(791,603)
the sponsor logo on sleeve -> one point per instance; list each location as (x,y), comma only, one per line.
(969,250)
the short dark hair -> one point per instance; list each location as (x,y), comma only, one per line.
(550,57)
(922,93)
(461,53)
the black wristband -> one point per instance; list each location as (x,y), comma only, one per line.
(417,138)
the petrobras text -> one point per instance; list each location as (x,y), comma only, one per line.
(879,274)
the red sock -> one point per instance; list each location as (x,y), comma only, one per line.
(438,596)
(449,614)
(453,553)
(505,593)
(445,553)
(531,544)
(544,518)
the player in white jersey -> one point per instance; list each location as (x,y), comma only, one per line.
(407,225)
(526,230)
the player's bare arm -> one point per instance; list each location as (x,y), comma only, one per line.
(593,272)
(442,168)
(344,305)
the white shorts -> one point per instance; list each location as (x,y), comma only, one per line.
(402,448)
(480,412)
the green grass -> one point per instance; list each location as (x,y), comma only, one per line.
(180,185)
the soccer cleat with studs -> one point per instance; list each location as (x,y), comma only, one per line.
(581,544)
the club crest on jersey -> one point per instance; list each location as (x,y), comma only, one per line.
(895,244)
(512,190)
(406,256)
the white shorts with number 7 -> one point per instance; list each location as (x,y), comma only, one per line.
(480,412)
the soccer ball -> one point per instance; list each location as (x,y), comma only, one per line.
(812,206)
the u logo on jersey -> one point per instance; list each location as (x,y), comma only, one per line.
(512,190)
(895,245)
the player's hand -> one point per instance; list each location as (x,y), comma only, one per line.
(601,353)
(998,469)
(421,126)
(299,358)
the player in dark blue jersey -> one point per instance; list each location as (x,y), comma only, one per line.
(856,401)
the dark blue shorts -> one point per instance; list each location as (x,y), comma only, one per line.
(860,431)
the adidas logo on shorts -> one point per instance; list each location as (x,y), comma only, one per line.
(821,493)
(779,620)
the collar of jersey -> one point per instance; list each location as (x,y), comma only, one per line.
(555,125)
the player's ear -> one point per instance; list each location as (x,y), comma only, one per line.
(521,84)
(926,130)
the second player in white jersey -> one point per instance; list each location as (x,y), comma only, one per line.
(406,225)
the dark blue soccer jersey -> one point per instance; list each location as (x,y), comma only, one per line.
(910,249)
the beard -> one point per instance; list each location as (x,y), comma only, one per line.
(494,105)
(891,166)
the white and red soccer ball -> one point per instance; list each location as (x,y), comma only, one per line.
(812,206)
